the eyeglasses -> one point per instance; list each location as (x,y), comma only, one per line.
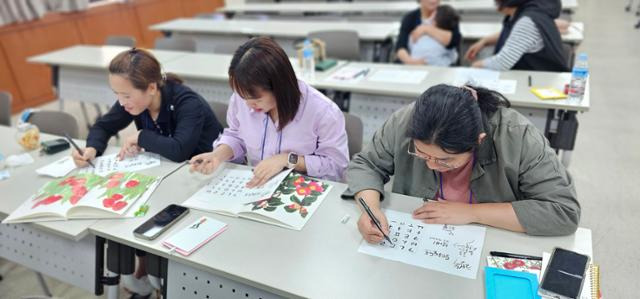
(428,158)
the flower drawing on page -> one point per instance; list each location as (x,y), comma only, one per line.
(69,189)
(297,189)
(123,187)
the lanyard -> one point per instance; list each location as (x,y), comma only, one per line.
(264,138)
(441,191)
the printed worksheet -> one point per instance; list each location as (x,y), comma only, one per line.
(453,249)
(399,76)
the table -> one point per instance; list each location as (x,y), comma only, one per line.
(211,34)
(320,261)
(61,249)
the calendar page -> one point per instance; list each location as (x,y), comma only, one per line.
(453,249)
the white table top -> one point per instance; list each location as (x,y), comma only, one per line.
(365,7)
(478,30)
(215,67)
(376,31)
(97,57)
(436,75)
(24,182)
(321,260)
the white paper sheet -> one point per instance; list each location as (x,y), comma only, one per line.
(485,78)
(58,169)
(398,76)
(110,163)
(453,249)
(348,74)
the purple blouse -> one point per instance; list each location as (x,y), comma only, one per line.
(317,132)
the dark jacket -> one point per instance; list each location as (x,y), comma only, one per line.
(542,12)
(186,125)
(412,20)
(515,165)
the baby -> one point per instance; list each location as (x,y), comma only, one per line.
(429,49)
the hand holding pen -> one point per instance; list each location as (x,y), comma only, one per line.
(373,226)
(81,157)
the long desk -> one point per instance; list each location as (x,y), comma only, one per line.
(388,8)
(61,249)
(373,102)
(256,260)
(210,34)
(251,259)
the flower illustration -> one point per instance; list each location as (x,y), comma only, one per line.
(314,186)
(299,181)
(112,184)
(304,191)
(132,183)
(117,176)
(47,201)
(119,205)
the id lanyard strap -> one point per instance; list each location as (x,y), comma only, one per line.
(264,138)
(441,191)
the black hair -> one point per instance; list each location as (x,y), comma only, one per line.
(141,68)
(447,17)
(450,116)
(262,63)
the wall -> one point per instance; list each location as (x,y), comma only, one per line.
(30,84)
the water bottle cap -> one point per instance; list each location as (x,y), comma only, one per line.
(583,56)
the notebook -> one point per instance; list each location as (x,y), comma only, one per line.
(287,200)
(83,196)
(549,93)
(508,284)
(194,236)
(591,287)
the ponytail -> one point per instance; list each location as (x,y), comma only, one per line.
(452,118)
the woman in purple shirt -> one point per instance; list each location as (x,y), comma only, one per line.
(277,121)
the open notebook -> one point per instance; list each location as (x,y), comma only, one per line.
(83,196)
(287,200)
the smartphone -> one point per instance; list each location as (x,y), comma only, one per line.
(157,224)
(564,275)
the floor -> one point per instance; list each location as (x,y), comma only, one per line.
(605,164)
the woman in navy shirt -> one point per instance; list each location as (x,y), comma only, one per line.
(172,120)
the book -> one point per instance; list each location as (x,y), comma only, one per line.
(507,284)
(289,204)
(194,236)
(83,196)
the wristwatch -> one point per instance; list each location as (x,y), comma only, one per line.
(292,160)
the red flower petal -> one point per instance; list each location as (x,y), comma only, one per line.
(119,205)
(132,183)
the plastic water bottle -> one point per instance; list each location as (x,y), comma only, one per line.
(579,76)
(308,61)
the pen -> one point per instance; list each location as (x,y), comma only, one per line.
(375,220)
(529,80)
(80,151)
(515,255)
(362,72)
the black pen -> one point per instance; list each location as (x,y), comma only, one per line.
(515,256)
(80,151)
(529,80)
(375,220)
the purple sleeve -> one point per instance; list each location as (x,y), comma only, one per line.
(231,135)
(331,157)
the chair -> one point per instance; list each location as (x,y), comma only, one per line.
(5,108)
(220,111)
(354,127)
(178,43)
(55,122)
(120,40)
(340,44)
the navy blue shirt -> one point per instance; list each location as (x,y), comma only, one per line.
(185,126)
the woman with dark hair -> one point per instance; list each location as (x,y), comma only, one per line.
(172,120)
(422,22)
(529,40)
(480,161)
(277,121)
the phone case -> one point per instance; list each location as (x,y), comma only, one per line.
(551,294)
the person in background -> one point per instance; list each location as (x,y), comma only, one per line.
(429,49)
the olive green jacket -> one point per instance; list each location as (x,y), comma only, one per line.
(514,165)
